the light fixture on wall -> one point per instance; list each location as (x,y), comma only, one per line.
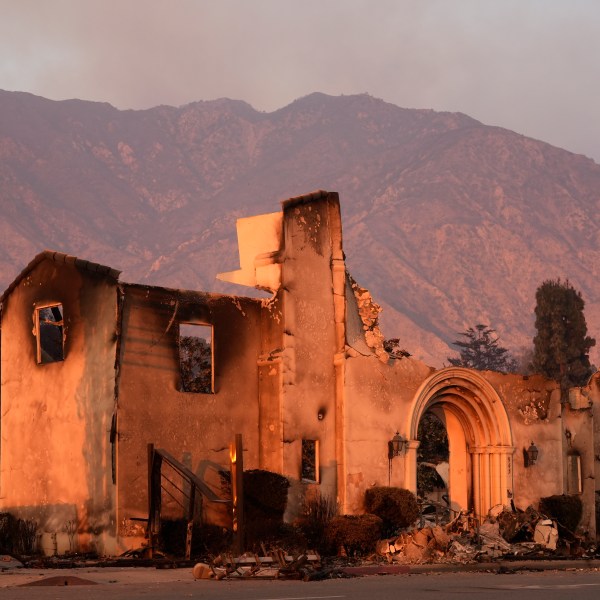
(532,454)
(395,445)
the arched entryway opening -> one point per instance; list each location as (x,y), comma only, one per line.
(433,466)
(479,438)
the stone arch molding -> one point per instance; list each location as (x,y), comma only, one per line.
(480,440)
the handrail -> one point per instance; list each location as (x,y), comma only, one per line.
(191,477)
(156,457)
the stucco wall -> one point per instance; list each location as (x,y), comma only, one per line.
(537,415)
(195,428)
(309,339)
(55,422)
(377,398)
(533,407)
(579,441)
(595,400)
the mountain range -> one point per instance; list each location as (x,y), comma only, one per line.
(447,221)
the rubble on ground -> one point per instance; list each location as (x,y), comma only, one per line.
(276,565)
(504,534)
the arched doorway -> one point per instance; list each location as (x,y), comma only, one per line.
(433,466)
(479,438)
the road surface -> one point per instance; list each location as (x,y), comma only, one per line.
(153,584)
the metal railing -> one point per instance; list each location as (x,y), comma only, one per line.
(156,459)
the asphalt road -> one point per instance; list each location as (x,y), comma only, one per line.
(152,584)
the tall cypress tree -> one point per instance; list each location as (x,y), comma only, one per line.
(561,345)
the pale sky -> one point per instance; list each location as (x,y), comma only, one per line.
(532,66)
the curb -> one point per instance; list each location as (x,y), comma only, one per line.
(497,567)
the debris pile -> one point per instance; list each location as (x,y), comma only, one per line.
(277,565)
(504,534)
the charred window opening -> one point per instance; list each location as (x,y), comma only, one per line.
(196,358)
(49,328)
(310,460)
(574,474)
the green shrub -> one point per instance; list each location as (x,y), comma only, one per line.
(567,510)
(358,534)
(396,507)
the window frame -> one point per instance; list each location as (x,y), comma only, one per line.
(315,467)
(212,355)
(38,332)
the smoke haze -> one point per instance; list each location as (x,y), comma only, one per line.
(528,65)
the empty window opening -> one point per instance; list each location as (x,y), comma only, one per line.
(310,460)
(196,358)
(49,328)
(574,474)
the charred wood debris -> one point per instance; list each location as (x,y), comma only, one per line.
(505,535)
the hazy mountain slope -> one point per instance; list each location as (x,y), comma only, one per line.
(449,222)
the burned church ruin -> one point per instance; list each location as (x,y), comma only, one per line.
(94,369)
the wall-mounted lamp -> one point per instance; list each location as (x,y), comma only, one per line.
(395,446)
(532,455)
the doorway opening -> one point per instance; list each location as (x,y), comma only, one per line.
(479,438)
(433,468)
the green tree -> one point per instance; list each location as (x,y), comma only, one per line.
(561,344)
(480,349)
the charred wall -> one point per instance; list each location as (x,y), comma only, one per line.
(152,408)
(312,245)
(56,454)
